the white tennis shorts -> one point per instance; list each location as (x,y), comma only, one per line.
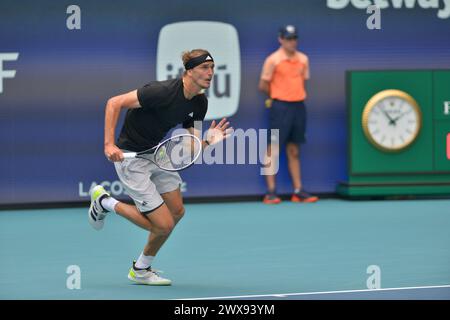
(144,182)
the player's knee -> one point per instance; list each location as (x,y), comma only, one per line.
(292,151)
(164,229)
(178,213)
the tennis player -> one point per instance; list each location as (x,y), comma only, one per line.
(153,110)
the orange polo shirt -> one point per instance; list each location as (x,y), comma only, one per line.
(286,75)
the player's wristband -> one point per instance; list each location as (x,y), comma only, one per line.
(206,141)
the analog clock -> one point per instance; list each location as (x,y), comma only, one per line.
(391,120)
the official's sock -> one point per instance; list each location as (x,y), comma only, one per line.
(109,203)
(143,262)
(297,191)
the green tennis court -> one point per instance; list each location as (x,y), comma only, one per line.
(237,251)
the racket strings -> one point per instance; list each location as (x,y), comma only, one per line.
(177,153)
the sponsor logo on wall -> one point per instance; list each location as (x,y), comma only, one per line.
(441,6)
(222,41)
(115,188)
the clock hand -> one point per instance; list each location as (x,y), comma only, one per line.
(395,120)
(391,121)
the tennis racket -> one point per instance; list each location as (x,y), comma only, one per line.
(173,154)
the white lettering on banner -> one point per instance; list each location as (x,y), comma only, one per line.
(81,192)
(115,188)
(7,74)
(446,107)
(443,6)
(337,4)
(382,4)
(361,4)
(73,21)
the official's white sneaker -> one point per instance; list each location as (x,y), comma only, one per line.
(97,213)
(147,276)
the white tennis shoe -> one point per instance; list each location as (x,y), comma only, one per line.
(97,213)
(147,276)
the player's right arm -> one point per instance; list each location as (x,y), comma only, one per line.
(264,86)
(112,112)
(266,75)
(265,78)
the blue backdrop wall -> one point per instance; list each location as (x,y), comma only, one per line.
(52,110)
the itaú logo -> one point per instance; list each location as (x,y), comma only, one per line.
(443,13)
(221,40)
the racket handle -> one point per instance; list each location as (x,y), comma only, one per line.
(129,155)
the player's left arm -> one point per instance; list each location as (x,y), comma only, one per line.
(306,71)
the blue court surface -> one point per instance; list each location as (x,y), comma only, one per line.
(247,250)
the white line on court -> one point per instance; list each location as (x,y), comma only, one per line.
(314,293)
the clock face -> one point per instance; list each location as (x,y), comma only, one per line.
(391,120)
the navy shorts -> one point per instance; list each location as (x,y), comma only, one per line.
(290,119)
